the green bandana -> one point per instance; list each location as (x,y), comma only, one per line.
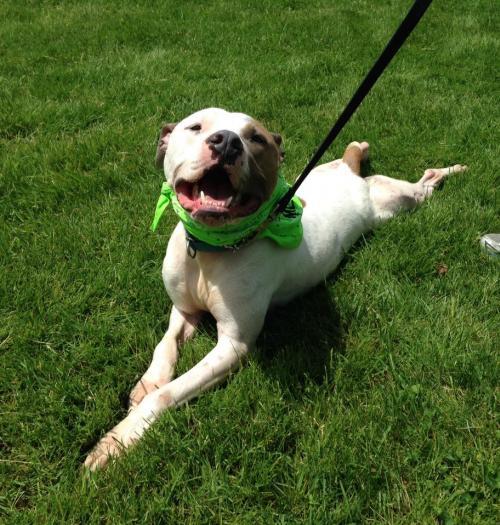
(285,230)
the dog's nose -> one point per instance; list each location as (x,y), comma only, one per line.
(226,144)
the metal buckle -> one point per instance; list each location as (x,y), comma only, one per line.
(190,249)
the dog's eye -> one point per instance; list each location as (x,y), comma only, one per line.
(195,127)
(259,139)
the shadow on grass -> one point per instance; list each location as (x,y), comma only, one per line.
(301,341)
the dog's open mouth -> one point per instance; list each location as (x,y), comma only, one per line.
(213,197)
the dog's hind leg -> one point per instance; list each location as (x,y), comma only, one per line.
(161,370)
(355,154)
(390,196)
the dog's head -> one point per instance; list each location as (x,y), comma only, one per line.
(222,165)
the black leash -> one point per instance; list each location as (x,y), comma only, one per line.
(404,30)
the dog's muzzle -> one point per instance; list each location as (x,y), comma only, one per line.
(226,144)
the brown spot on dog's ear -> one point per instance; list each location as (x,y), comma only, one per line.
(279,142)
(165,132)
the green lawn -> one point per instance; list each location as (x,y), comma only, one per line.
(370,400)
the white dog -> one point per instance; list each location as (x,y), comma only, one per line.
(223,166)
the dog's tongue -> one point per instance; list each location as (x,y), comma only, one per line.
(216,186)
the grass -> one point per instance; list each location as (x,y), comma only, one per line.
(371,399)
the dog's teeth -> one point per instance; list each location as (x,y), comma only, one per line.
(195,191)
(202,195)
(228,202)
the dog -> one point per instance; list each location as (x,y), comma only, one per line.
(223,166)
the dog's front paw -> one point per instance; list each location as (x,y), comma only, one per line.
(112,445)
(139,392)
(107,448)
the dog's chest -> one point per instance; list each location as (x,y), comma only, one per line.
(190,286)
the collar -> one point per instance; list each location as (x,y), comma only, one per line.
(194,245)
(285,229)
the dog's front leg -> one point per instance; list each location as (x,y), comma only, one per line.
(212,369)
(161,370)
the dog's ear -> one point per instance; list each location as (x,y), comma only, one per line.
(279,142)
(165,132)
